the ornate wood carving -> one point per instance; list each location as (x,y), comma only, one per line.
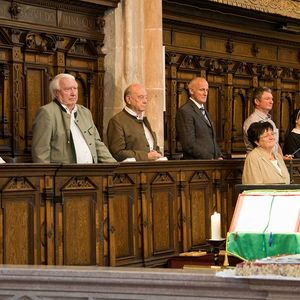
(14,10)
(39,39)
(289,8)
(199,176)
(18,184)
(40,42)
(75,183)
(122,180)
(162,178)
(4,118)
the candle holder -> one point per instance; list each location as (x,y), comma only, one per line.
(216,245)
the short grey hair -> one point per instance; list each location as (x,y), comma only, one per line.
(55,83)
(258,92)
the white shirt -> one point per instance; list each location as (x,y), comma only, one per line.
(148,134)
(201,106)
(83,153)
(198,105)
(275,164)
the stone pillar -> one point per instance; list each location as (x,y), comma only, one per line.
(154,66)
(133,46)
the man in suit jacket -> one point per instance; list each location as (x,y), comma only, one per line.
(129,133)
(63,131)
(195,130)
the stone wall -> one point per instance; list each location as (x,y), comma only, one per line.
(134,53)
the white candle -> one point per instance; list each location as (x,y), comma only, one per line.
(215,220)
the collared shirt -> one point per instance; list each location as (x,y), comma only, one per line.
(258,116)
(148,134)
(83,153)
(296,130)
(202,108)
(275,164)
(197,104)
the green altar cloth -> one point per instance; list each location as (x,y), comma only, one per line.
(251,246)
(265,223)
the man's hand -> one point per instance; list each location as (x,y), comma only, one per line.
(153,155)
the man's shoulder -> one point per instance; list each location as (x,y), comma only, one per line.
(121,115)
(251,119)
(187,106)
(82,108)
(48,108)
(49,105)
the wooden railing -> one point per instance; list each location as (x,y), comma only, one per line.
(128,214)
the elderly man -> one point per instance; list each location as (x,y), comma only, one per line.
(63,131)
(129,133)
(195,130)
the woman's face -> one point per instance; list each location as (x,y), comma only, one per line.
(267,140)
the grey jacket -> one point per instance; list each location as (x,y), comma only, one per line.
(196,136)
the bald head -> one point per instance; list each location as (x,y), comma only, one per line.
(198,89)
(135,97)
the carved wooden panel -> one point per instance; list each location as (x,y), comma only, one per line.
(78,215)
(124,217)
(199,205)
(5,117)
(162,212)
(129,215)
(20,222)
(79,226)
(39,39)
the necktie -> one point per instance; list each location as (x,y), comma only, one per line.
(204,114)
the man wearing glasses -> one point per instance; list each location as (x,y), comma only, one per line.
(129,134)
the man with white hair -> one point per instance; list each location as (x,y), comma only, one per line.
(64,131)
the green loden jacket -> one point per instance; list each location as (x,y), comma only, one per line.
(52,140)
